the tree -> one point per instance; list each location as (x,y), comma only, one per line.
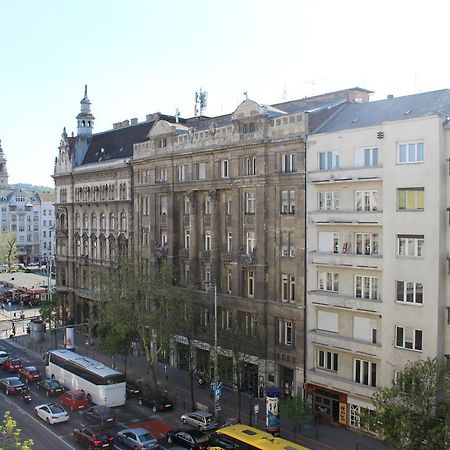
(10,435)
(134,297)
(8,249)
(296,410)
(414,413)
(49,313)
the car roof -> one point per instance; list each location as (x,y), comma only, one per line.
(30,368)
(201,413)
(191,431)
(137,430)
(75,391)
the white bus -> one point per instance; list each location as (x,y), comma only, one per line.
(102,385)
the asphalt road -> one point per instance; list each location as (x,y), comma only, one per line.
(59,436)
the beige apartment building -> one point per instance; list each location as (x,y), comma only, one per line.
(220,199)
(377,248)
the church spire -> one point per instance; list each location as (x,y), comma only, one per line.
(85,118)
(3,170)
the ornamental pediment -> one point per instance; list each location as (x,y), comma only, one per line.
(248,109)
(165,128)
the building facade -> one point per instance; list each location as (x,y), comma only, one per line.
(221,199)
(377,248)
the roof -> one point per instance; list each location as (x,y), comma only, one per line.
(360,115)
(47,197)
(29,281)
(117,143)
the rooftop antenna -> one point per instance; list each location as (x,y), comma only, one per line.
(284,95)
(313,84)
(177,115)
(246,95)
(201,100)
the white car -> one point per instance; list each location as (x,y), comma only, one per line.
(3,356)
(52,413)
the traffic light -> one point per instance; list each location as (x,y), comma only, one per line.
(44,325)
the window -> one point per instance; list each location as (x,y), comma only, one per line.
(228,206)
(366,200)
(329,281)
(164,240)
(327,321)
(207,205)
(365,329)
(366,244)
(187,239)
(111,222)
(366,287)
(162,143)
(163,204)
(410,245)
(204,316)
(162,175)
(287,202)
(285,332)
(410,199)
(224,168)
(289,163)
(410,153)
(409,292)
(250,241)
(287,288)
(181,173)
(207,240)
(328,242)
(250,165)
(365,372)
(250,203)
(408,338)
(207,276)
(250,284)
(145,203)
(229,280)
(329,201)
(366,157)
(201,171)
(251,325)
(288,244)
(226,316)
(327,360)
(187,206)
(329,160)
(229,242)
(247,128)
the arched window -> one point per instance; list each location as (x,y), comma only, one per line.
(94,221)
(112,249)
(102,221)
(77,221)
(102,248)
(93,248)
(123,221)
(85,246)
(78,245)
(85,221)
(112,222)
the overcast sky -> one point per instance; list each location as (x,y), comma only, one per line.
(142,56)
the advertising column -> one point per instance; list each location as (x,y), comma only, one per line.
(69,339)
(273,395)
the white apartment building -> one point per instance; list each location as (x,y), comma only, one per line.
(378,197)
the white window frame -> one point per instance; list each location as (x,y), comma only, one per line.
(365,375)
(410,153)
(250,284)
(328,281)
(288,244)
(413,195)
(201,171)
(163,201)
(187,206)
(288,202)
(401,292)
(327,360)
(366,244)
(289,163)
(410,245)
(224,168)
(182,172)
(366,201)
(328,160)
(207,205)
(250,202)
(208,240)
(410,338)
(229,242)
(250,165)
(228,206)
(250,241)
(366,287)
(367,157)
(328,201)
(187,239)
(229,280)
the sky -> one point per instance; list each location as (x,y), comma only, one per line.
(142,56)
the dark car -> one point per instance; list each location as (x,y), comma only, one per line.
(12,365)
(30,374)
(50,386)
(158,402)
(92,438)
(188,438)
(100,415)
(12,385)
(132,389)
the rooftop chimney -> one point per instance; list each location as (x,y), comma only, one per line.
(117,125)
(390,96)
(133,121)
(125,123)
(151,117)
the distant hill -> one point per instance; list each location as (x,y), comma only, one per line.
(30,187)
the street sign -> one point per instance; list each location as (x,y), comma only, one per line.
(256,409)
(218,392)
(165,369)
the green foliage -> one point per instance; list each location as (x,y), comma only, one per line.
(414,413)
(10,435)
(296,410)
(49,309)
(8,250)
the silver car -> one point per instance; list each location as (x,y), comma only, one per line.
(137,438)
(200,419)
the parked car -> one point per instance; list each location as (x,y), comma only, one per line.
(3,356)
(188,438)
(12,365)
(30,374)
(158,402)
(100,415)
(12,385)
(52,413)
(132,389)
(93,438)
(75,399)
(50,386)
(137,438)
(200,419)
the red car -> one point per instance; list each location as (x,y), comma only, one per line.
(30,374)
(75,399)
(12,365)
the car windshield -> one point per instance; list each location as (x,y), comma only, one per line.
(53,384)
(15,382)
(34,372)
(146,437)
(202,438)
(78,397)
(56,409)
(101,437)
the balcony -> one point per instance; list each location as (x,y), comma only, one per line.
(160,251)
(346,175)
(205,254)
(227,256)
(344,302)
(345,217)
(346,260)
(184,253)
(247,259)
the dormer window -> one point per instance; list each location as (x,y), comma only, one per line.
(248,128)
(162,143)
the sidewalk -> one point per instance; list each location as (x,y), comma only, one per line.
(312,435)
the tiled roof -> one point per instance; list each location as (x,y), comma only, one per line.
(359,115)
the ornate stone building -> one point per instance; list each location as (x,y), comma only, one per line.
(221,199)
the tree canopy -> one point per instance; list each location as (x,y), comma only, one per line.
(414,413)
(10,435)
(8,249)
